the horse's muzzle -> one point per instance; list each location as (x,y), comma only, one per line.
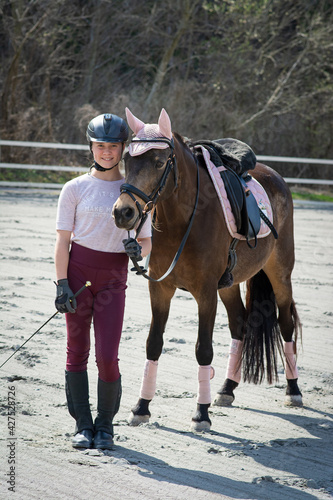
(125,217)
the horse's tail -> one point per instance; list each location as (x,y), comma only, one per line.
(297,324)
(262,336)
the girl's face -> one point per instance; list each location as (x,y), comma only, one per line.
(107,154)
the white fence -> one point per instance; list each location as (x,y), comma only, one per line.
(82,147)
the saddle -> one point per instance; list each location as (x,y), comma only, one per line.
(238,158)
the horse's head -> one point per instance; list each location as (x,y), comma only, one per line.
(148,162)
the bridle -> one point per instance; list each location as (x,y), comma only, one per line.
(151,201)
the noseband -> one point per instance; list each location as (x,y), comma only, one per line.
(151,199)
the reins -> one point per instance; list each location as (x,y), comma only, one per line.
(151,200)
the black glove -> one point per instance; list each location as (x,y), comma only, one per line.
(132,248)
(65,300)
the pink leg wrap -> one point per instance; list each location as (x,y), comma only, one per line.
(148,384)
(234,368)
(291,368)
(205,373)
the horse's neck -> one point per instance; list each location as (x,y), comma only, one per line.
(178,207)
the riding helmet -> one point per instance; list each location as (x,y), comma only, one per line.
(107,128)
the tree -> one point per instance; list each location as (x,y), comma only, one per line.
(253,69)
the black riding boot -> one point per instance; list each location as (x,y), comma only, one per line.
(77,393)
(109,394)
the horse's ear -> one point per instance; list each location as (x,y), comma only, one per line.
(135,124)
(164,124)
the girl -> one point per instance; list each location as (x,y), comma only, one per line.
(89,247)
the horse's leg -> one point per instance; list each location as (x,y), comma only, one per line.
(160,297)
(204,353)
(233,303)
(290,327)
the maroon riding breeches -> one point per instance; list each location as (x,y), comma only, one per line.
(103,303)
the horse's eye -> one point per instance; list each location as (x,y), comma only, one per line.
(159,164)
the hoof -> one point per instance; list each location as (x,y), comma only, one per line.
(293,394)
(293,400)
(201,421)
(225,396)
(223,400)
(136,420)
(203,426)
(140,414)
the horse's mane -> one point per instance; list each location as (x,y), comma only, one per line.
(183,140)
(188,145)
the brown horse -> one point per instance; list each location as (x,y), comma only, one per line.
(183,201)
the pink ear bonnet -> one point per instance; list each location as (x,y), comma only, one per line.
(148,131)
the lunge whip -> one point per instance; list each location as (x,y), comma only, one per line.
(87,283)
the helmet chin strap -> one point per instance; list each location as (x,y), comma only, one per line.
(102,169)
